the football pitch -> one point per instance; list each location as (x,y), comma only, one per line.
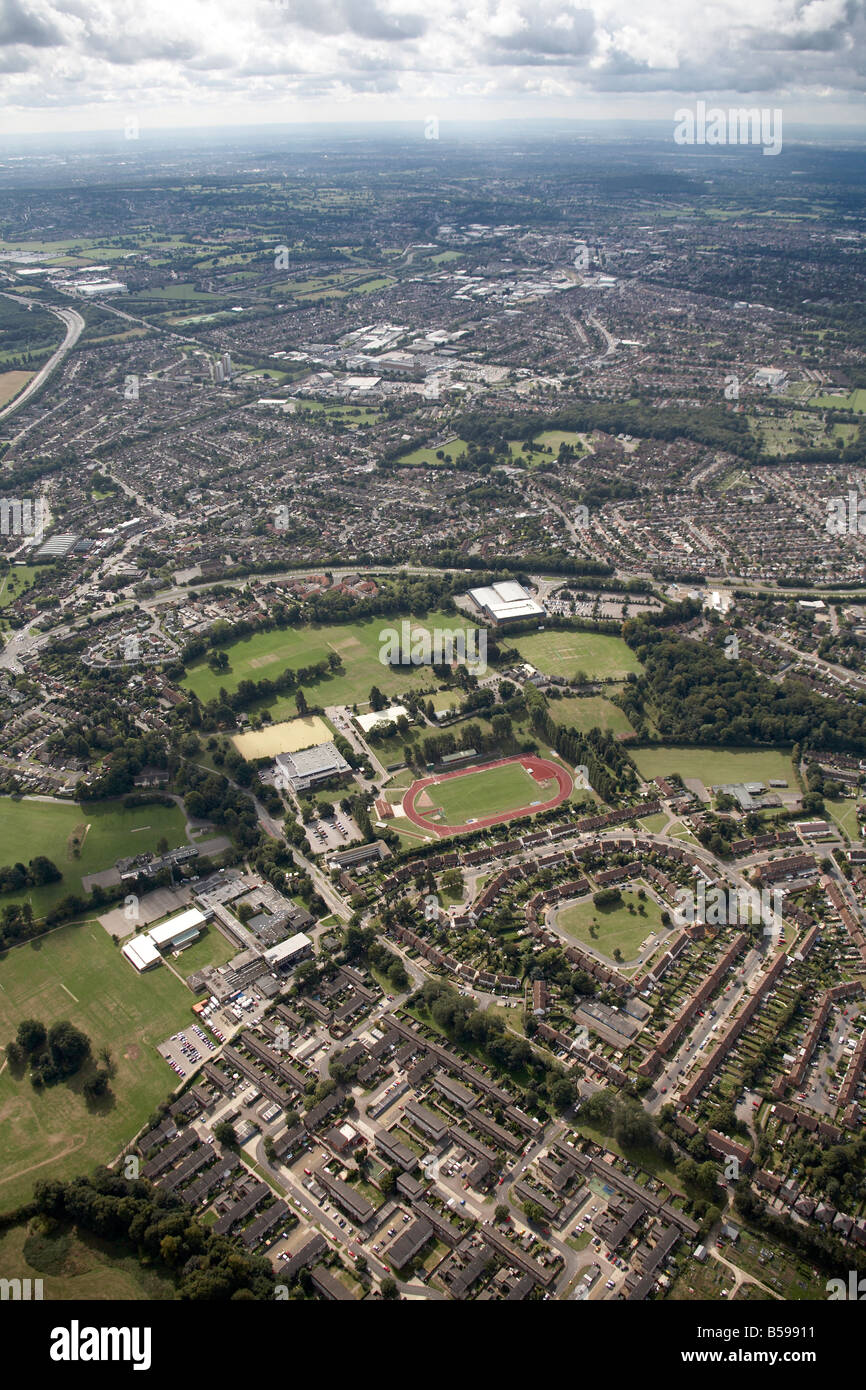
(486,793)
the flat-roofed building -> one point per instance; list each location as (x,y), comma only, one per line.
(506,602)
(141,952)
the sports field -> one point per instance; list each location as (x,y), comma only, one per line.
(563,653)
(591,712)
(268,654)
(104,831)
(484,793)
(474,797)
(76,973)
(286,737)
(717,766)
(615,927)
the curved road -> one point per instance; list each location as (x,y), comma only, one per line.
(74,328)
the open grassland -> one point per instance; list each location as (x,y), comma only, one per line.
(78,1265)
(268,654)
(428,457)
(717,766)
(564,653)
(80,840)
(612,928)
(76,973)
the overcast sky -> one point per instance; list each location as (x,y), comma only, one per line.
(96,64)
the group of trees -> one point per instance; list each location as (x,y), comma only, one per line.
(159,1229)
(56,1054)
(698,696)
(37,872)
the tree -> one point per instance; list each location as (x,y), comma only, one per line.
(224,1133)
(533,1213)
(31,1035)
(501,1213)
(388,1289)
(68,1047)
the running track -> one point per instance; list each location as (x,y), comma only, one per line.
(540,768)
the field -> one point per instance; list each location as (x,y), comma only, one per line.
(11,383)
(77,973)
(16,581)
(563,653)
(75,1265)
(485,793)
(483,796)
(591,712)
(426,458)
(105,832)
(268,654)
(287,737)
(717,766)
(617,929)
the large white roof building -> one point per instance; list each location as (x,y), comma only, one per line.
(506,602)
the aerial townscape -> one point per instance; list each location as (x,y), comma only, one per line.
(432,706)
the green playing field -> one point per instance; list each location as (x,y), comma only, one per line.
(485,793)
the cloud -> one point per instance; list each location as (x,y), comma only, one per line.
(199,51)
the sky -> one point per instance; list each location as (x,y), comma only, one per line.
(109,64)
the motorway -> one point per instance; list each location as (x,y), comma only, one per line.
(74,325)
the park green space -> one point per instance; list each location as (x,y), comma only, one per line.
(79,1265)
(77,973)
(488,792)
(560,652)
(843,811)
(590,712)
(265,655)
(15,582)
(716,767)
(30,827)
(615,927)
(853,400)
(426,457)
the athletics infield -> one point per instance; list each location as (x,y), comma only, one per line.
(471,798)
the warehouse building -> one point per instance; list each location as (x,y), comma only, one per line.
(506,602)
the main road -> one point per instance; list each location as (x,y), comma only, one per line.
(74,324)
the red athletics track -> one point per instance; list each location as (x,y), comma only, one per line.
(540,768)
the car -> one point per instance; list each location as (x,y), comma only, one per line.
(309,1172)
(609,1284)
(352,1252)
(377,1248)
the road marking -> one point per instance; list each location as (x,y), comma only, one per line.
(69,992)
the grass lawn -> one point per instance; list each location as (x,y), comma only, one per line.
(617,927)
(591,712)
(426,457)
(844,812)
(15,582)
(647,1158)
(655,824)
(717,766)
(75,1265)
(211,948)
(702,1282)
(77,973)
(268,654)
(564,653)
(105,832)
(484,793)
